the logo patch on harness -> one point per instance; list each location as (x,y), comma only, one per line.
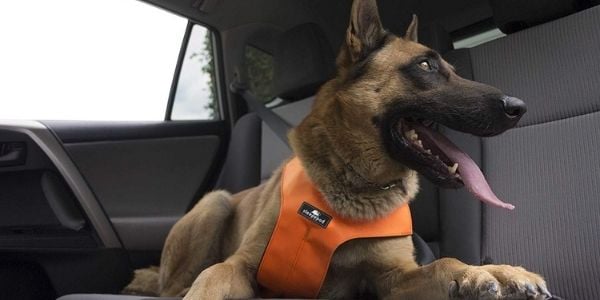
(314,215)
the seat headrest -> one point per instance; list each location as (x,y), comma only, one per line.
(514,15)
(303,61)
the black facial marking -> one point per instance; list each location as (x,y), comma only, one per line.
(424,79)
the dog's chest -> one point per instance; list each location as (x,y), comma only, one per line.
(352,270)
(308,234)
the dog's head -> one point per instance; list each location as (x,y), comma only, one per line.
(391,92)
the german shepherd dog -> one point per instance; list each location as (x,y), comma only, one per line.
(371,129)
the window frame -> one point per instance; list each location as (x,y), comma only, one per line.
(219,78)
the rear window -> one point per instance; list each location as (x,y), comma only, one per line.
(259,71)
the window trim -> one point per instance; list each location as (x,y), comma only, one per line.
(218,66)
(177,72)
(220,85)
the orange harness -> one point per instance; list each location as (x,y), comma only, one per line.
(307,233)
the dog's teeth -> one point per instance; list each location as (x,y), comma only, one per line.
(428,151)
(419,143)
(453,168)
(412,135)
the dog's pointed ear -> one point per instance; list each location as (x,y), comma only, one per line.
(411,32)
(365,32)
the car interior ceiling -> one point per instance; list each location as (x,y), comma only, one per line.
(548,58)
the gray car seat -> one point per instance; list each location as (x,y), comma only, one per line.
(548,165)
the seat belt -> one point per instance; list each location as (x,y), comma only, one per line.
(273,120)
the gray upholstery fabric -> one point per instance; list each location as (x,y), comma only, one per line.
(554,67)
(425,213)
(242,164)
(550,173)
(423,252)
(273,150)
(549,166)
(514,15)
(303,61)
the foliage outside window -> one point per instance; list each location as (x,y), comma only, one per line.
(196,95)
(259,69)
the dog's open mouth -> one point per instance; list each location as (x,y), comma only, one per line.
(442,161)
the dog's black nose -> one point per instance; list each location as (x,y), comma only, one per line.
(514,107)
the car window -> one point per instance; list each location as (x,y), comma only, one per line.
(112,60)
(196,96)
(259,70)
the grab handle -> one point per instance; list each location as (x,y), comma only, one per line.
(12,153)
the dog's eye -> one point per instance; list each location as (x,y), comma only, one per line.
(425,65)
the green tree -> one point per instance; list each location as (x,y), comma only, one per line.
(206,57)
(259,68)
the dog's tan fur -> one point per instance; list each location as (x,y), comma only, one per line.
(214,251)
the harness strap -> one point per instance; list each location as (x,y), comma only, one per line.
(308,232)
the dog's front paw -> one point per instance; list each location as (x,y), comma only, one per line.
(221,281)
(498,282)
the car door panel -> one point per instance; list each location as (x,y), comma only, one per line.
(98,196)
(143,183)
(28,189)
(51,225)
(145,175)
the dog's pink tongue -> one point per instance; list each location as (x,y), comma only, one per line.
(469,171)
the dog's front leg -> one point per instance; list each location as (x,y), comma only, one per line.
(449,278)
(235,278)
(227,280)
